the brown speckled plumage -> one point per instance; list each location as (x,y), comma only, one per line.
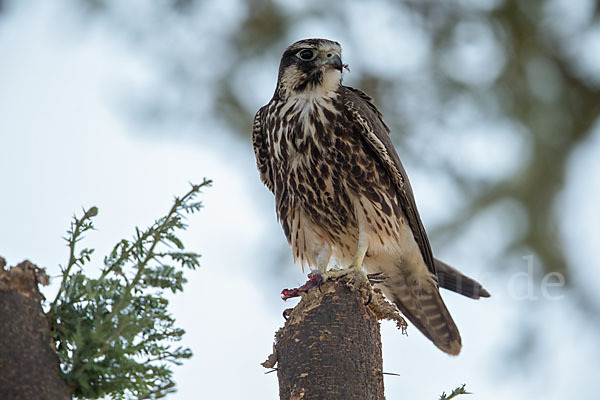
(324,151)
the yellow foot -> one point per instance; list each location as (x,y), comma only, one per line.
(335,274)
(354,278)
(357,262)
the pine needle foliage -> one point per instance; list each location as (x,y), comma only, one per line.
(113,334)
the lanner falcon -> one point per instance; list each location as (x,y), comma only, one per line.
(341,191)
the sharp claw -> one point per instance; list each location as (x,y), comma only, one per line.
(377,277)
(369,299)
(285,313)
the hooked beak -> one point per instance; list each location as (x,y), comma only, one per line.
(332,59)
(336,62)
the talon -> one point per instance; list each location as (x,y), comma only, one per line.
(369,299)
(377,277)
(316,279)
(286,313)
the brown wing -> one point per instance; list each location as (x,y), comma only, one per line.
(376,134)
(262,151)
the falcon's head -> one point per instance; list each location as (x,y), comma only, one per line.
(310,65)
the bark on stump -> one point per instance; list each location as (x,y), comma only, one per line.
(29,368)
(330,346)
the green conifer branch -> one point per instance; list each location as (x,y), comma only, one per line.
(113,334)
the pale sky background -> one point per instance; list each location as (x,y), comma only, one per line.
(66,143)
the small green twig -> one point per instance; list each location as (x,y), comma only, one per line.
(78,227)
(456,392)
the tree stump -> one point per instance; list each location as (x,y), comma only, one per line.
(29,368)
(330,346)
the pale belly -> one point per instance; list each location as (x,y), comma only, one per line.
(390,242)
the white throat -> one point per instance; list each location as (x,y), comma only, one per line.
(326,90)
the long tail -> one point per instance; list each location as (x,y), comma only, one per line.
(420,301)
(452,279)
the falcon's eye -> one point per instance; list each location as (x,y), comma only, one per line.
(306,54)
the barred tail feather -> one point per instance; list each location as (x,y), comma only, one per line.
(421,303)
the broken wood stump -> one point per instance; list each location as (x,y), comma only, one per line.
(330,346)
(29,367)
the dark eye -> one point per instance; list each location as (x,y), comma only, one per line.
(306,54)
